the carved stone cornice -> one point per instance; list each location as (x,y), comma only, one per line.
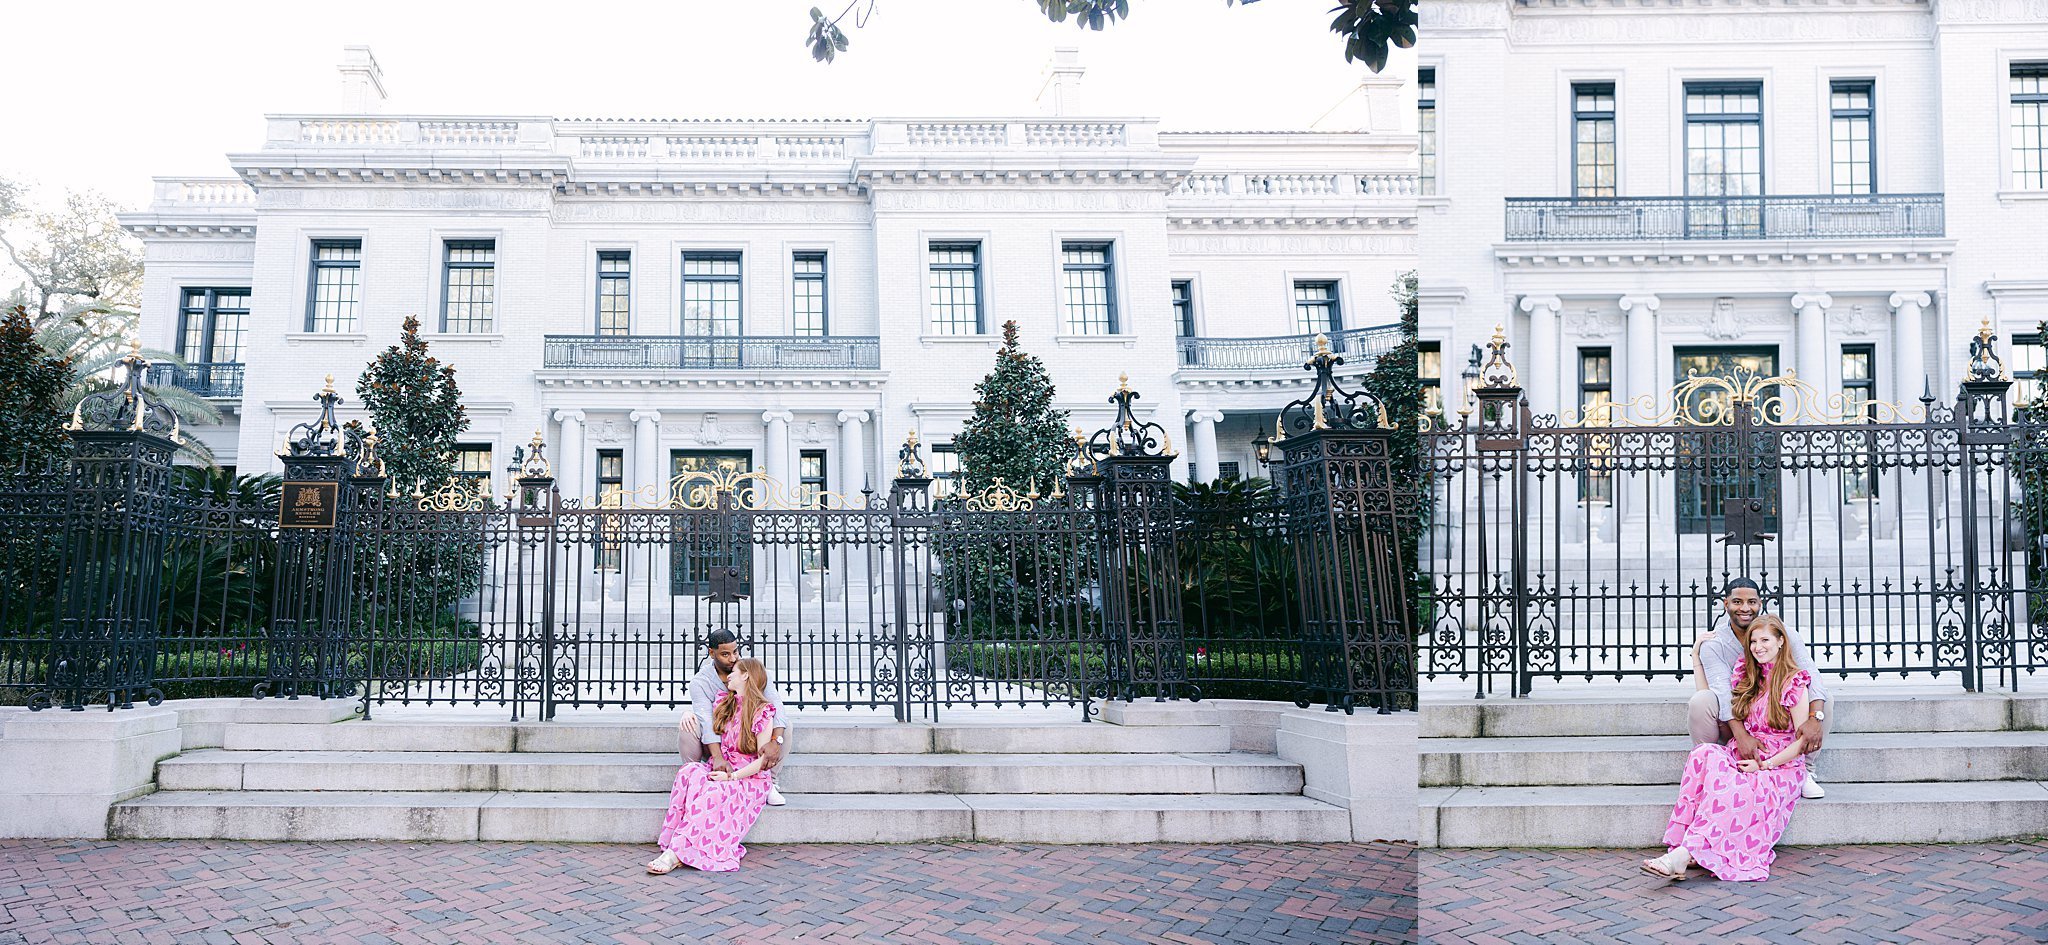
(1392,222)
(1163,177)
(169,229)
(736,381)
(1731,255)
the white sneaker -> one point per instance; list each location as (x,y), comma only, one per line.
(1811,789)
(775,798)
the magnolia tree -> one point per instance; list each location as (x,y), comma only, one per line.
(1015,433)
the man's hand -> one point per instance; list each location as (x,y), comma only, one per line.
(1810,734)
(1745,745)
(689,726)
(775,749)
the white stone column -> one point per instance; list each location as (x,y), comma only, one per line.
(852,475)
(1631,490)
(569,479)
(1542,368)
(775,451)
(649,488)
(1810,353)
(1909,328)
(1202,442)
(781,569)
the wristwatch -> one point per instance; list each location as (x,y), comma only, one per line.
(1820,715)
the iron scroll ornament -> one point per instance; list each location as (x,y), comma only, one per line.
(126,408)
(1126,437)
(322,436)
(1328,405)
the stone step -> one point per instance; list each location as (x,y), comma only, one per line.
(1634,817)
(806,738)
(1664,713)
(809,818)
(1886,757)
(804,773)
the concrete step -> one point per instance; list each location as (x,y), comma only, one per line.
(805,738)
(1855,710)
(1635,816)
(1885,757)
(809,818)
(804,773)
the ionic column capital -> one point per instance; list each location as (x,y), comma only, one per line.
(1816,299)
(1648,303)
(1917,299)
(1206,415)
(568,416)
(1530,303)
(853,416)
(645,416)
(773,416)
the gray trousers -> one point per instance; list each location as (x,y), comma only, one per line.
(1703,718)
(695,751)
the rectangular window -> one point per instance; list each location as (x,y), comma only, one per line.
(1596,397)
(2030,126)
(337,284)
(210,325)
(473,462)
(2029,366)
(1184,308)
(807,295)
(1429,372)
(945,470)
(711,295)
(1426,129)
(956,288)
(1852,110)
(615,292)
(1090,299)
(1228,470)
(1724,158)
(1859,398)
(1593,157)
(469,294)
(810,493)
(1315,308)
(611,489)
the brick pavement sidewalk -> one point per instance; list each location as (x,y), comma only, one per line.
(1990,892)
(232,893)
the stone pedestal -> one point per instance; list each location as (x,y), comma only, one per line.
(1365,763)
(60,772)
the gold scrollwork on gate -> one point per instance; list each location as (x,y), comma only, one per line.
(1712,400)
(458,494)
(999,497)
(752,491)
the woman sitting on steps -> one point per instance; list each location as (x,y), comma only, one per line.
(710,811)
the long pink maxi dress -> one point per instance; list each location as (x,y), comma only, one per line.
(1729,820)
(706,818)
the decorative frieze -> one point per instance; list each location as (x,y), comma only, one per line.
(1720,26)
(1291,245)
(608,211)
(410,198)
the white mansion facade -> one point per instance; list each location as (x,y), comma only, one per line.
(1635,191)
(790,296)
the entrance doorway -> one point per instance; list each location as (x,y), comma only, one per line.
(1723,460)
(716,535)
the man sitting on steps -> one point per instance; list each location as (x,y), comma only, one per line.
(723,650)
(1714,659)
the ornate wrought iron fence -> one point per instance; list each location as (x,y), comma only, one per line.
(1893,538)
(1115,585)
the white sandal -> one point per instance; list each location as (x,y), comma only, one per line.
(1671,866)
(663,865)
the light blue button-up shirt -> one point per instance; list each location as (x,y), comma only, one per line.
(1719,655)
(705,688)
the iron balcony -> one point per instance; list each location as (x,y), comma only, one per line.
(207,379)
(1773,217)
(1359,346)
(734,353)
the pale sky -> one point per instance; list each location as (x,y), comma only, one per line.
(106,95)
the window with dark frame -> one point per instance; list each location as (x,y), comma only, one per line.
(2029,366)
(807,295)
(1184,308)
(1594,169)
(944,470)
(811,485)
(1426,144)
(470,286)
(2030,125)
(1089,296)
(1724,157)
(210,325)
(336,291)
(1596,399)
(611,490)
(1429,373)
(1315,308)
(1228,470)
(711,295)
(1859,398)
(956,288)
(614,292)
(473,465)
(1852,117)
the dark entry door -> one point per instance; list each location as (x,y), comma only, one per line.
(709,530)
(1728,458)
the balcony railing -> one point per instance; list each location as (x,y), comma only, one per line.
(1355,345)
(658,352)
(205,379)
(1825,216)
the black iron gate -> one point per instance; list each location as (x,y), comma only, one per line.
(1896,539)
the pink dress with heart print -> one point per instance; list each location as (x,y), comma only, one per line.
(1729,820)
(706,818)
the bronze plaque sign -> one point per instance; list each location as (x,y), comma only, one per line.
(308,505)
